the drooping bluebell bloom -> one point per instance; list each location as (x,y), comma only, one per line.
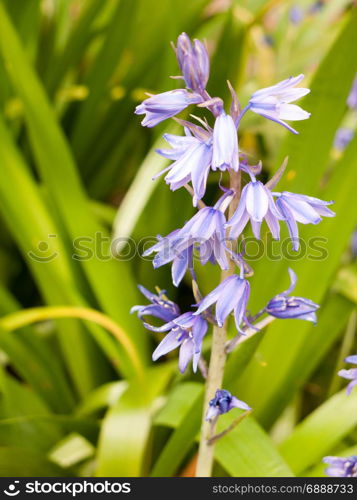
(204,230)
(194,62)
(341,467)
(284,307)
(225,144)
(230,295)
(171,249)
(192,156)
(342,138)
(161,307)
(186,332)
(256,203)
(352,98)
(301,208)
(350,374)
(223,402)
(158,108)
(274,102)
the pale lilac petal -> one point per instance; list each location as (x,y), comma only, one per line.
(199,330)
(240,310)
(303,212)
(206,252)
(293,281)
(290,95)
(279,87)
(213,296)
(323,211)
(202,225)
(199,176)
(239,226)
(186,353)
(160,329)
(180,265)
(290,222)
(351,385)
(149,295)
(162,106)
(309,317)
(240,217)
(273,224)
(274,102)
(335,472)
(186,163)
(220,253)
(225,144)
(293,112)
(169,343)
(351,359)
(238,214)
(212,413)
(180,141)
(257,201)
(209,299)
(237,403)
(275,212)
(256,227)
(228,300)
(274,118)
(186,320)
(348,374)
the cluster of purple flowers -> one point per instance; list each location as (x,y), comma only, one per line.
(202,148)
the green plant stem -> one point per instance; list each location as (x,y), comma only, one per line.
(217,363)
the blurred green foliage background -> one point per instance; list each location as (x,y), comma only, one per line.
(79,394)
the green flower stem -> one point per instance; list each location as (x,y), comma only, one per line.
(217,363)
